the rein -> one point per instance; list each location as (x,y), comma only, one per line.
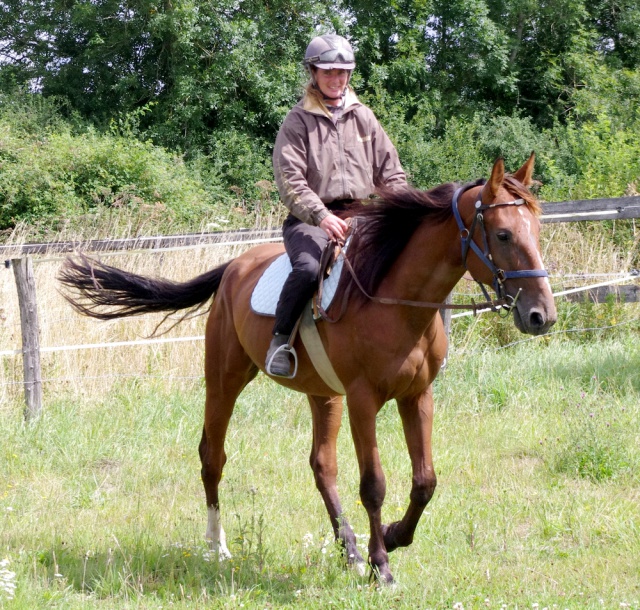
(388,301)
(504,302)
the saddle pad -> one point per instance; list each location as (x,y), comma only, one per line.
(267,291)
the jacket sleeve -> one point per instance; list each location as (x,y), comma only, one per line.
(387,169)
(290,171)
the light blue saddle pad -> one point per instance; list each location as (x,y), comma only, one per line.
(267,291)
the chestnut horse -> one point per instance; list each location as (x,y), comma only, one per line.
(407,253)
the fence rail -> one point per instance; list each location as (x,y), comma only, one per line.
(158,242)
(621,208)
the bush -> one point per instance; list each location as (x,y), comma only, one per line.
(593,160)
(54,173)
(239,164)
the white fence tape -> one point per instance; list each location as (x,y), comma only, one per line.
(624,278)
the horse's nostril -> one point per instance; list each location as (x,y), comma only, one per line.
(536,319)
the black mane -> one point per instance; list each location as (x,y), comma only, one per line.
(384,227)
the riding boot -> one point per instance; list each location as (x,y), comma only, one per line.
(277,362)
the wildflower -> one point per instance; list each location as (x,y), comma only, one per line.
(458,606)
(307,540)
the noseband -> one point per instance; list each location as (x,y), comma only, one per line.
(466,237)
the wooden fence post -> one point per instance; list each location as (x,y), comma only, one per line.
(446,319)
(25,283)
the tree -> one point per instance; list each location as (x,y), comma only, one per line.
(196,65)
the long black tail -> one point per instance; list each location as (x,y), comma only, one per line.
(104,292)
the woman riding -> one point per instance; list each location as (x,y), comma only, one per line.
(329,151)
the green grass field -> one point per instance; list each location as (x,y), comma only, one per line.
(537,450)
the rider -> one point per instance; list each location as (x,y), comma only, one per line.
(329,151)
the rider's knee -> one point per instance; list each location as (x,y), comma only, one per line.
(306,270)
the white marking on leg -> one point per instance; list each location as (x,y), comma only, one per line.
(360,568)
(215,534)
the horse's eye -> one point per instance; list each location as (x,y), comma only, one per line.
(503,235)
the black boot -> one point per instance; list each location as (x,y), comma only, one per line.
(277,362)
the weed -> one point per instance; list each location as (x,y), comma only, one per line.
(594,443)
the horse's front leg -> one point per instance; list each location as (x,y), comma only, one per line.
(362,418)
(327,417)
(417,421)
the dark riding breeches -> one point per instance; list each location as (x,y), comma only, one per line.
(304,244)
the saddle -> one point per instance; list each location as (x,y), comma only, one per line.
(266,293)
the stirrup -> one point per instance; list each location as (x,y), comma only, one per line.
(290,351)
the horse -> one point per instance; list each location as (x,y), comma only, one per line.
(408,251)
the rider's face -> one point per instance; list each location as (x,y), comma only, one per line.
(332,83)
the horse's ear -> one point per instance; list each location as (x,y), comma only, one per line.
(525,174)
(490,190)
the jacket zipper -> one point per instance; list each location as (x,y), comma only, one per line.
(341,158)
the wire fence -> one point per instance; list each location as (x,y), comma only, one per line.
(83,356)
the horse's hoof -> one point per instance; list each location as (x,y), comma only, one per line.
(389,533)
(219,549)
(224,554)
(382,576)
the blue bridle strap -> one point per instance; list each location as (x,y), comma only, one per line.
(466,237)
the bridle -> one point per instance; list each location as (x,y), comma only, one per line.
(467,243)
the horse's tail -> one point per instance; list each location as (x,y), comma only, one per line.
(105,292)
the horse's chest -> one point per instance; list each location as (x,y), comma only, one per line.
(401,367)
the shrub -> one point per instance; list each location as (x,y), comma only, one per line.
(65,175)
(593,446)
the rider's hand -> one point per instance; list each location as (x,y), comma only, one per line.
(334,227)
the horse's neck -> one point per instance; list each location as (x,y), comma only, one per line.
(429,266)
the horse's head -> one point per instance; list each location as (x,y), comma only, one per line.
(500,246)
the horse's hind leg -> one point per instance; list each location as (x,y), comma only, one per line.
(228,369)
(327,416)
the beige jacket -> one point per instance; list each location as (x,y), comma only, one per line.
(317,161)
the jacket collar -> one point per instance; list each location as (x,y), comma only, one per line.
(312,105)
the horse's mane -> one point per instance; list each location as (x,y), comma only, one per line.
(385,225)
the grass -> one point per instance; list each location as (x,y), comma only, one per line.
(536,448)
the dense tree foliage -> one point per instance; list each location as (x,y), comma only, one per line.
(232,64)
(454,82)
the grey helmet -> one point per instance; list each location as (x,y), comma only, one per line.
(328,52)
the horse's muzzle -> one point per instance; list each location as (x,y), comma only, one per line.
(534,320)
